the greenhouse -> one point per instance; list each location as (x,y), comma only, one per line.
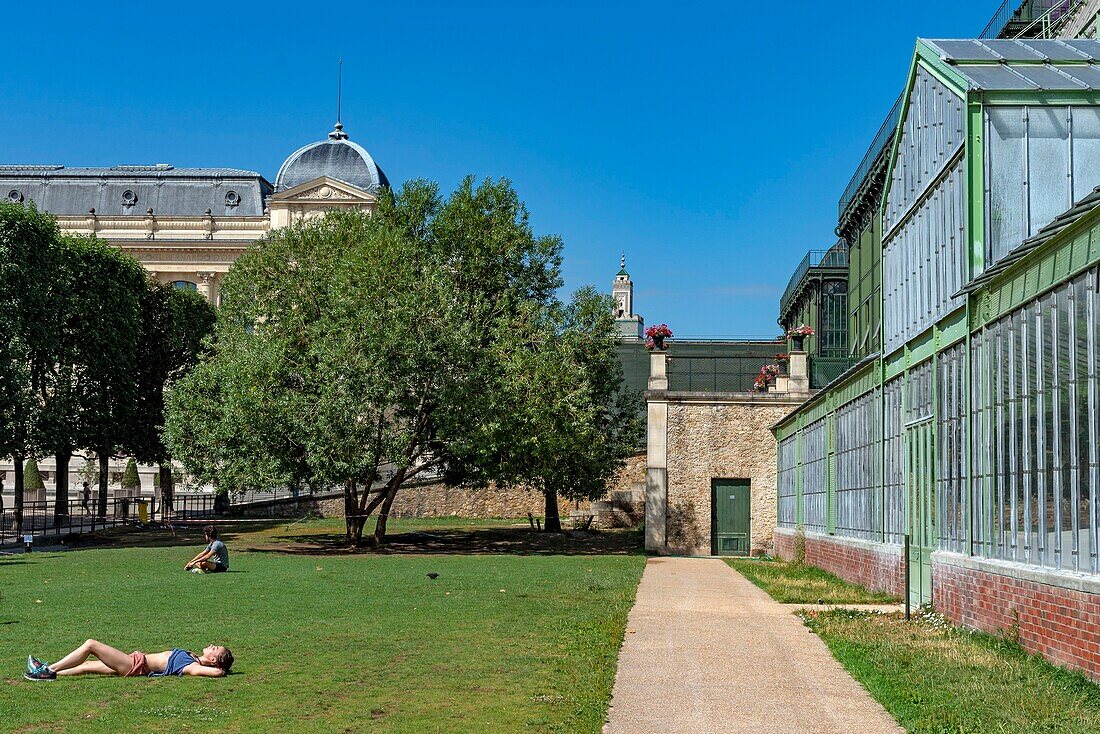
(970,435)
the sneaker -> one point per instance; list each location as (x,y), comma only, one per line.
(43,673)
(196,569)
(34,664)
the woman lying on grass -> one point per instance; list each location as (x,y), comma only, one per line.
(215,661)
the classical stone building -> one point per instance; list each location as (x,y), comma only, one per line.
(188,225)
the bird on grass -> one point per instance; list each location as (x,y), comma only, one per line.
(433,575)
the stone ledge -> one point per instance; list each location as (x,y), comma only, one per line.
(1085,583)
(727,398)
(872,546)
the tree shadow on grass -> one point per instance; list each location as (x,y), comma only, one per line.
(521,541)
(156,536)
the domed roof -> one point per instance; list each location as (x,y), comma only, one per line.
(337,158)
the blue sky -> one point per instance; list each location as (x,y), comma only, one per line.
(709,141)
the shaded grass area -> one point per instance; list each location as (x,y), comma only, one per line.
(793,583)
(324,642)
(936,678)
(431,536)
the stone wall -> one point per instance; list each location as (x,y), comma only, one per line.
(877,566)
(1055,614)
(723,439)
(440,500)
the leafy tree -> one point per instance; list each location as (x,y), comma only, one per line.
(88,386)
(29,253)
(174,324)
(424,338)
(109,309)
(359,343)
(571,423)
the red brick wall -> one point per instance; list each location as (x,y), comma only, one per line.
(1062,625)
(854,562)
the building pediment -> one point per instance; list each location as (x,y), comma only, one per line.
(323,189)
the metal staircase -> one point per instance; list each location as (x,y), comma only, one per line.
(1031,18)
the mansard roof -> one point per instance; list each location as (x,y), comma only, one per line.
(133,190)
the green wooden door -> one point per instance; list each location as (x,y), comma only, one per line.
(920,478)
(729,524)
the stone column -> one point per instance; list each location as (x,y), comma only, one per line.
(656,476)
(799,367)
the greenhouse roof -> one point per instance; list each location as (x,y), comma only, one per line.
(1021,65)
(1068,218)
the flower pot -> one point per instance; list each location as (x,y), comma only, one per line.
(797,343)
(659,343)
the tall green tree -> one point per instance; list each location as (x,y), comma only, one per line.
(174,323)
(30,251)
(110,311)
(89,386)
(359,351)
(567,422)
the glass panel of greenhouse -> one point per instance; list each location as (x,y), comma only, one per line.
(976,431)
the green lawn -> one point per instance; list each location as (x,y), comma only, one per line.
(936,678)
(326,640)
(791,583)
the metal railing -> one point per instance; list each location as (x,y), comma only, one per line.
(40,518)
(880,143)
(1048,22)
(835,257)
(1028,12)
(713,374)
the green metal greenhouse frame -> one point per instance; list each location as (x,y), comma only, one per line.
(949,494)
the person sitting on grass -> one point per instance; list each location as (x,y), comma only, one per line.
(215,661)
(214,557)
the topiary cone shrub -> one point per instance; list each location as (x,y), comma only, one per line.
(32,478)
(130,478)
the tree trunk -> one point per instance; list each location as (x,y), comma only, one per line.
(61,493)
(104,480)
(17,524)
(384,513)
(361,510)
(167,489)
(553,522)
(353,529)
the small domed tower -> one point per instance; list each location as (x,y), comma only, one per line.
(329,174)
(629,324)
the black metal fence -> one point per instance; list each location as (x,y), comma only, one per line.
(824,370)
(713,374)
(40,519)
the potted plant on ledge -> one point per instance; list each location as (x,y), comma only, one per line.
(655,337)
(798,336)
